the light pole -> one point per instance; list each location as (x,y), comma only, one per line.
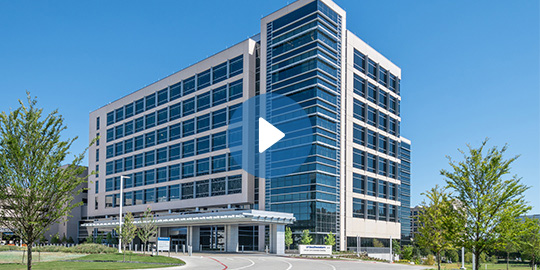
(120,216)
(462,258)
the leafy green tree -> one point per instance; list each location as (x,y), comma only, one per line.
(306,238)
(129,231)
(110,239)
(64,239)
(288,237)
(530,240)
(55,239)
(396,247)
(487,196)
(435,223)
(70,240)
(511,236)
(148,227)
(407,252)
(377,243)
(330,239)
(89,239)
(99,239)
(452,255)
(36,190)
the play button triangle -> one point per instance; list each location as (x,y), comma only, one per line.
(268,135)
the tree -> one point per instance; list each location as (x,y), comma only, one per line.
(148,228)
(407,252)
(99,239)
(306,238)
(288,237)
(36,190)
(488,198)
(89,239)
(396,248)
(64,239)
(377,243)
(70,240)
(330,239)
(55,239)
(129,231)
(435,223)
(530,242)
(511,236)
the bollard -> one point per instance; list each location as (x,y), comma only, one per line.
(200,248)
(242,248)
(190,250)
(135,247)
(266,249)
(176,249)
(184,249)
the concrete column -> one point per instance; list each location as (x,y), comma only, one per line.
(193,237)
(231,238)
(262,240)
(277,239)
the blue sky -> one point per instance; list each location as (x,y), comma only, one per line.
(470,69)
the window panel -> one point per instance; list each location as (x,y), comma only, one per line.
(139,106)
(150,101)
(162,116)
(203,145)
(188,127)
(163,96)
(174,132)
(203,123)
(162,135)
(174,111)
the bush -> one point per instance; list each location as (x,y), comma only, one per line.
(10,248)
(493,259)
(407,253)
(82,248)
(430,260)
(452,255)
(468,257)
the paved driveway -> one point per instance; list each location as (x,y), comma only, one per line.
(266,262)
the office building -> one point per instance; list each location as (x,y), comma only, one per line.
(170,138)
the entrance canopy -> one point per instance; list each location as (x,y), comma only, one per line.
(243,217)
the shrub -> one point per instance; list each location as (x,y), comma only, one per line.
(430,260)
(493,259)
(82,248)
(407,252)
(10,248)
(468,257)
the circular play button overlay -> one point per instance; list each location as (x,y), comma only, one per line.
(269,135)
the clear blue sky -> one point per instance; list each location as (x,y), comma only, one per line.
(470,68)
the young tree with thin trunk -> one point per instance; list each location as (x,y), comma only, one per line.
(288,238)
(129,231)
(148,228)
(530,240)
(488,196)
(330,239)
(436,223)
(37,190)
(306,238)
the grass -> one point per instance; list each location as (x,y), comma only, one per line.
(490,266)
(57,264)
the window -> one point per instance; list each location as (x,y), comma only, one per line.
(187,191)
(98,124)
(371,165)
(139,161)
(110,118)
(232,110)
(392,104)
(234,184)
(139,196)
(203,145)
(235,136)
(382,189)
(108,201)
(119,132)
(139,142)
(358,208)
(149,158)
(392,147)
(203,166)
(174,112)
(203,101)
(393,83)
(372,93)
(203,123)
(119,114)
(359,183)
(138,179)
(372,116)
(218,186)
(150,120)
(174,192)
(128,146)
(128,128)
(382,211)
(119,148)
(128,163)
(219,95)
(162,116)
(358,134)
(174,172)
(188,127)
(383,99)
(97,187)
(149,195)
(219,118)
(187,169)
(236,66)
(382,144)
(163,96)
(371,186)
(188,106)
(202,189)
(372,139)
(175,91)
(149,177)
(189,86)
(233,165)
(219,163)
(371,210)
(161,193)
(382,121)
(162,135)
(174,132)
(150,101)
(392,213)
(128,182)
(359,110)
(235,90)
(382,169)
(97,154)
(129,110)
(110,134)
(219,141)
(109,184)
(150,139)
(174,152)
(359,86)
(161,154)
(359,61)
(139,124)
(358,159)
(109,168)
(219,73)
(393,126)
(392,191)
(161,174)
(372,69)
(383,76)
(97,139)
(203,79)
(188,148)
(118,166)
(128,198)
(139,106)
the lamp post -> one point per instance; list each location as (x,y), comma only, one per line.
(120,216)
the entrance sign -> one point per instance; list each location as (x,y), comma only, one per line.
(315,249)
(164,243)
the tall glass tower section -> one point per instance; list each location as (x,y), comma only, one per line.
(405,189)
(303,62)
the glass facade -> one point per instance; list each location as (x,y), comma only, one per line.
(405,191)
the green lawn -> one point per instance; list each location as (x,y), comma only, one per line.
(490,266)
(97,265)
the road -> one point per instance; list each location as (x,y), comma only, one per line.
(263,262)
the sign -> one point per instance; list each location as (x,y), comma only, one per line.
(163,243)
(315,249)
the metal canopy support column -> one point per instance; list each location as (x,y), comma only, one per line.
(193,237)
(231,238)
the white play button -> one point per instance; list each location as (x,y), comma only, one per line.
(268,135)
